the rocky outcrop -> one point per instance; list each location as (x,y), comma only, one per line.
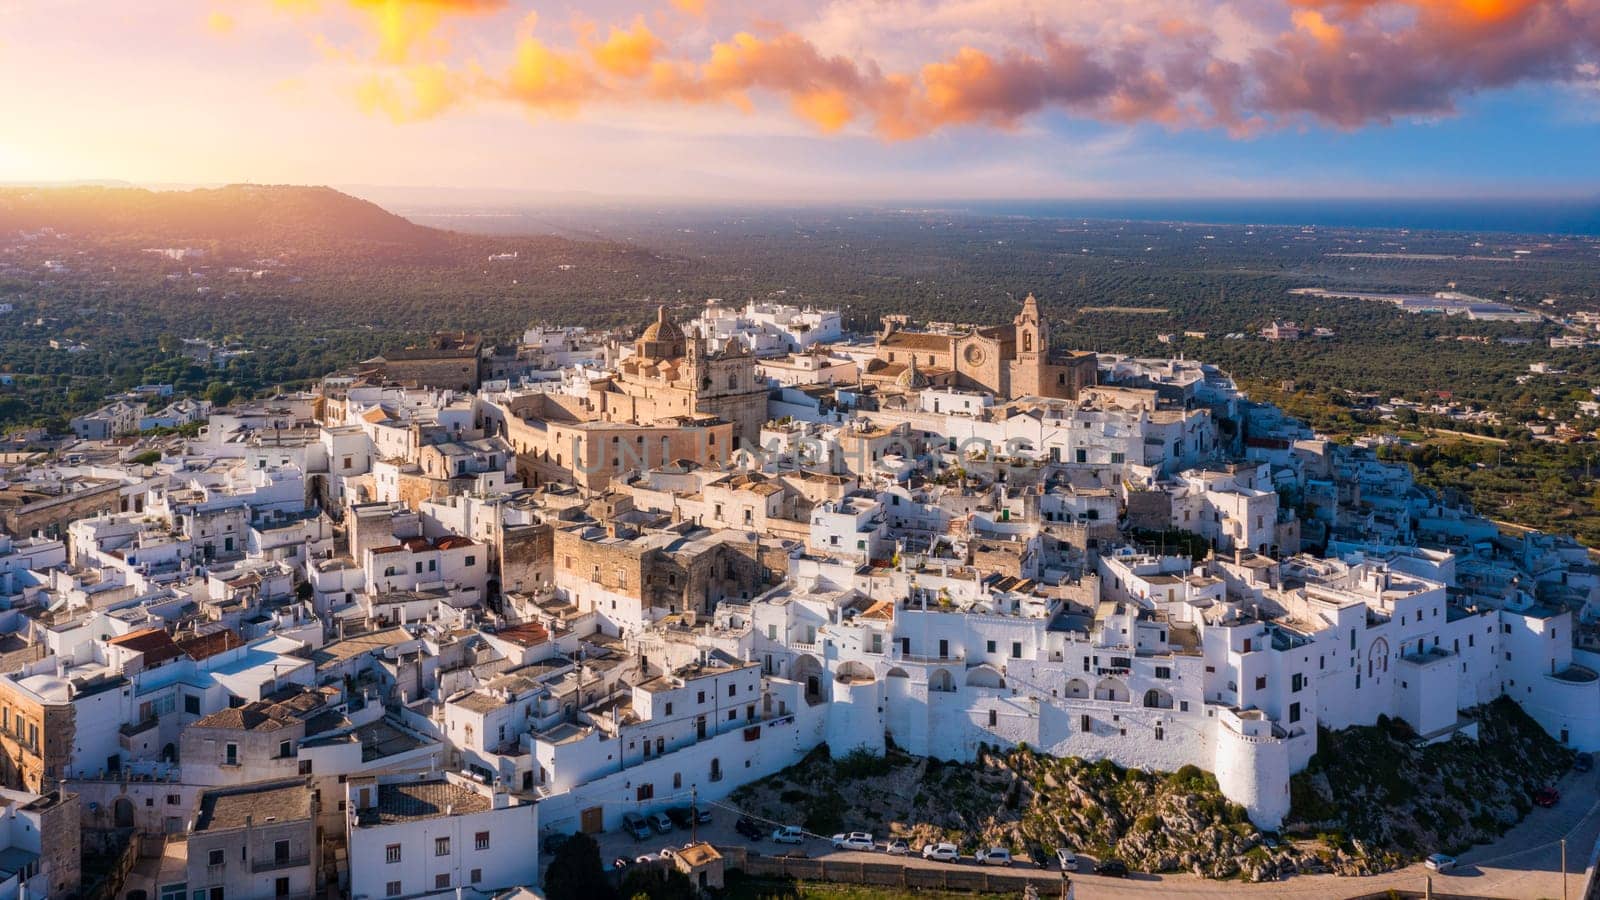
(1375,798)
(1031,803)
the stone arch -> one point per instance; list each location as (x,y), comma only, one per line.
(941,680)
(808,670)
(985,676)
(1156,698)
(853,672)
(122,813)
(1077,689)
(1112,689)
(1378,657)
(897,672)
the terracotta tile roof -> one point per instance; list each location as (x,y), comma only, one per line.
(154,643)
(204,646)
(528,634)
(917,340)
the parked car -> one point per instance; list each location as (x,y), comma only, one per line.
(898,847)
(1066,859)
(661,822)
(644,860)
(747,826)
(681,816)
(855,840)
(702,815)
(1440,862)
(994,856)
(1546,797)
(634,824)
(1112,868)
(1583,763)
(620,863)
(789,834)
(944,851)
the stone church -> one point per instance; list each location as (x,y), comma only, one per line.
(1008,361)
(673,374)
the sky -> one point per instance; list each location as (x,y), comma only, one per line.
(783,101)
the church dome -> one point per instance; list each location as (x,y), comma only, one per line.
(911,379)
(662,329)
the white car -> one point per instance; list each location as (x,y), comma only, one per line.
(1440,862)
(1067,859)
(789,834)
(994,856)
(898,847)
(945,852)
(855,840)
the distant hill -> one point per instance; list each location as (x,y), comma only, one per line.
(255,218)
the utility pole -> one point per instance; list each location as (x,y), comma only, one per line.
(1563,869)
(694,820)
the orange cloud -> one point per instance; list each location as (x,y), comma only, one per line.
(550,80)
(627,53)
(412,94)
(827,108)
(1344,62)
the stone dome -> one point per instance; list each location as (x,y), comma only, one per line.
(911,379)
(662,329)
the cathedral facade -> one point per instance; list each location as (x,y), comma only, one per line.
(1008,361)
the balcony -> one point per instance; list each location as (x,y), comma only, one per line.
(931,660)
(258,866)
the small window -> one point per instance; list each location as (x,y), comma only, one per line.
(391,853)
(285,749)
(392,889)
(214,858)
(480,841)
(441,846)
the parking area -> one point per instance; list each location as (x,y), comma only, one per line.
(1525,862)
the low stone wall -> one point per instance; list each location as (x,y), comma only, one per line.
(888,873)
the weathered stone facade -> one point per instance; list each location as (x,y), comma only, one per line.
(1008,361)
(35,740)
(450,361)
(26,512)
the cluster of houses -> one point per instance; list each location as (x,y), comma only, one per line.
(372,636)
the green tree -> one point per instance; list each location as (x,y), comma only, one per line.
(575,872)
(657,883)
(220,393)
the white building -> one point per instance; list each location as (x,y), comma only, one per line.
(418,835)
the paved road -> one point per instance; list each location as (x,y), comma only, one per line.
(1524,863)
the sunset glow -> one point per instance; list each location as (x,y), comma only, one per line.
(513,93)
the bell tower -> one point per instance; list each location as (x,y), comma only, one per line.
(1033,350)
